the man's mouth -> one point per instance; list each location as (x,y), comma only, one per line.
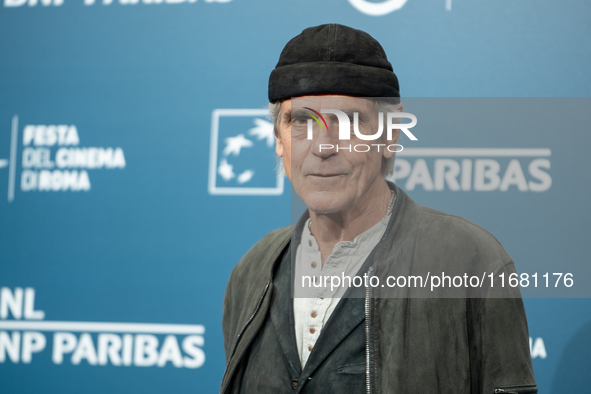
(325,175)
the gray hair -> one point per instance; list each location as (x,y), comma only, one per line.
(380,106)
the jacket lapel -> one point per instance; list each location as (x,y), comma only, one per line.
(282,314)
(348,314)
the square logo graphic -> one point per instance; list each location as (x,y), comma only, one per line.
(242,158)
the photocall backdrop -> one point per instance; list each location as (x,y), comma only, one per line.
(138,164)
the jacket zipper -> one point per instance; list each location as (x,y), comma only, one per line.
(367,320)
(517,390)
(242,332)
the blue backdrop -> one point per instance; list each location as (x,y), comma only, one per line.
(125,209)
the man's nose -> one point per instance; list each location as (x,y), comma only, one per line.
(326,142)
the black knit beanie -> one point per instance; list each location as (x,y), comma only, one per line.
(333,59)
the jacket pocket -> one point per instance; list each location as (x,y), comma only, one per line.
(352,368)
(517,390)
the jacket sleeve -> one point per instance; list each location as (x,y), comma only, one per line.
(499,341)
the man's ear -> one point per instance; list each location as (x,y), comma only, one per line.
(278,146)
(278,141)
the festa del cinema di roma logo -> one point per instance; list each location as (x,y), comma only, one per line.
(52,160)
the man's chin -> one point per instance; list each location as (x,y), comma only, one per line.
(325,202)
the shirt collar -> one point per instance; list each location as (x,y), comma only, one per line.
(362,244)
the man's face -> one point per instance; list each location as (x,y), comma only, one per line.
(328,180)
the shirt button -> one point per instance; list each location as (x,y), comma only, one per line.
(294,384)
(313,314)
(309,348)
(310,242)
(312,330)
(314,264)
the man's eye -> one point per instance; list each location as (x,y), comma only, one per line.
(300,120)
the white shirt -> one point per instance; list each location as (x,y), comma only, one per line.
(311,314)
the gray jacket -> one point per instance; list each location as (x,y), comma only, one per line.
(413,345)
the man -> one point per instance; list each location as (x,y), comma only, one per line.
(282,335)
